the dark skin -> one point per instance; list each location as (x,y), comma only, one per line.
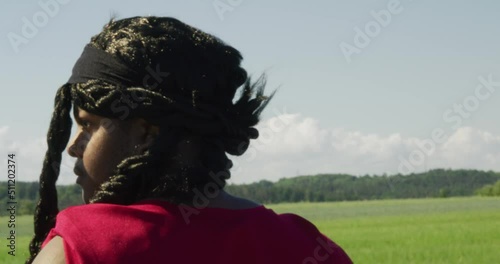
(99,145)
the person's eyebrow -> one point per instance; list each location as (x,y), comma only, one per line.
(76,116)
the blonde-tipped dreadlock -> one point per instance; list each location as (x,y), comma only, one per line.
(186,80)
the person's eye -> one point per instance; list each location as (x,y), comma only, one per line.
(85,124)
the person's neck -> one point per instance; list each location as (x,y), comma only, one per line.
(227,201)
(223,200)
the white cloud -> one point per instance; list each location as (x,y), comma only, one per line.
(471,148)
(3,131)
(304,147)
(5,144)
(29,157)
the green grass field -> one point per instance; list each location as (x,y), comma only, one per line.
(24,231)
(453,230)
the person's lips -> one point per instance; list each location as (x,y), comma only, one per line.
(79,173)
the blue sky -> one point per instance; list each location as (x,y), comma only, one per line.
(367,114)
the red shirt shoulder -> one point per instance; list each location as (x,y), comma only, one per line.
(154,231)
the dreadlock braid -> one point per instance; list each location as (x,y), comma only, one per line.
(187,80)
(136,176)
(121,187)
(58,135)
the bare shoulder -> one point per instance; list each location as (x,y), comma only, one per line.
(52,253)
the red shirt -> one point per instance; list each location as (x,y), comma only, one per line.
(154,231)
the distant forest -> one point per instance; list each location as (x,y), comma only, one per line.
(312,188)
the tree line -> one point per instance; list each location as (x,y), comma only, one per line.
(344,187)
(26,196)
(312,188)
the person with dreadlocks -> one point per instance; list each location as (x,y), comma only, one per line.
(153,101)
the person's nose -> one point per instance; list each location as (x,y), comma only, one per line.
(77,145)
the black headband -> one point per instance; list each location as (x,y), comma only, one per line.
(98,64)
